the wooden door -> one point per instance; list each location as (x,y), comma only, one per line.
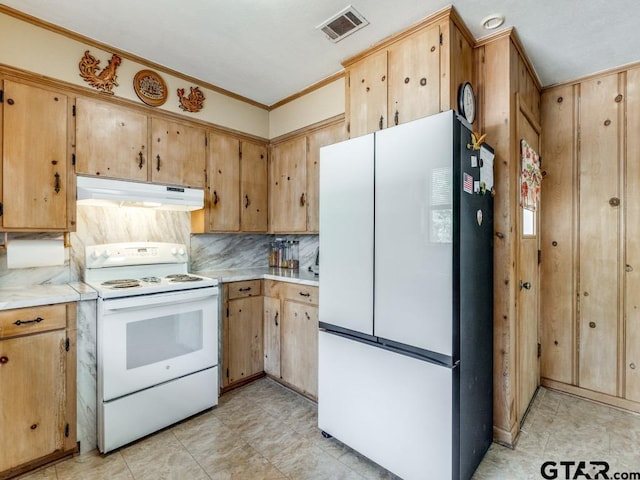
(223,191)
(178,154)
(245,348)
(299,347)
(317,139)
(414,76)
(34,158)
(111,141)
(272,320)
(599,233)
(367,87)
(254,181)
(288,196)
(32,382)
(557,218)
(632,241)
(527,327)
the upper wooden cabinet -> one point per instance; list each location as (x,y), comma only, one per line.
(294,180)
(178,153)
(113,141)
(37,188)
(236,191)
(411,75)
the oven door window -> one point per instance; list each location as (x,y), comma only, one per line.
(157,339)
(143,345)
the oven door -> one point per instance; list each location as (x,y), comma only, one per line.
(150,339)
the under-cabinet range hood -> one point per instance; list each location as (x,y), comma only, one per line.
(104,191)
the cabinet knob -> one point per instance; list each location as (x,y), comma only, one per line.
(381,122)
(406,79)
(525,285)
(3,360)
(423,82)
(632,366)
(276,318)
(158,162)
(302,200)
(246,201)
(140,160)
(10,101)
(614,201)
(215,197)
(592,324)
(396,117)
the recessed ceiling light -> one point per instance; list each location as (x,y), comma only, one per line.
(492,22)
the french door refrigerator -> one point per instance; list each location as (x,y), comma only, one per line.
(406,297)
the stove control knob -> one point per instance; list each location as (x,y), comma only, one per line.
(95,255)
(181,251)
(106,254)
(174,251)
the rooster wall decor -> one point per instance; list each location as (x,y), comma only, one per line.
(194,102)
(104,80)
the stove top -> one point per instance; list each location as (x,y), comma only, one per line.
(128,269)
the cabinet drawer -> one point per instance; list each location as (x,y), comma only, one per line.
(249,288)
(24,321)
(299,293)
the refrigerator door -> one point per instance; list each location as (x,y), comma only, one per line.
(394,409)
(414,233)
(346,239)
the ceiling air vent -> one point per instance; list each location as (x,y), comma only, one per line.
(342,24)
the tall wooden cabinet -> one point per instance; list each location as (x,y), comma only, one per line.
(411,75)
(38,187)
(590,249)
(38,385)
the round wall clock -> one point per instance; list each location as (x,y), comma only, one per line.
(150,88)
(467,102)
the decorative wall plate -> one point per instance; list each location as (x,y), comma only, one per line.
(150,88)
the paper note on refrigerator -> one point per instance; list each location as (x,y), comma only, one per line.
(486,169)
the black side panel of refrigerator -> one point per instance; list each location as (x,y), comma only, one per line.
(475,292)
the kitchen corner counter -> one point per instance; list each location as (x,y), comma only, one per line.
(302,277)
(36,295)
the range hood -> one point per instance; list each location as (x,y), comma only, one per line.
(108,192)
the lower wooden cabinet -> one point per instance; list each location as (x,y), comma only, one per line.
(291,335)
(38,385)
(242,342)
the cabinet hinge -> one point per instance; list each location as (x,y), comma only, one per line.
(66,430)
(539,350)
(441,39)
(67,344)
(539,257)
(1,96)
(73,110)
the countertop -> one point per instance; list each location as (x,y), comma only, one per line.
(45,294)
(36,295)
(302,277)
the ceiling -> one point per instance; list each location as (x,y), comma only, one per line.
(268,50)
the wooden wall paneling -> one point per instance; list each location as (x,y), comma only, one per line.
(497,113)
(632,239)
(599,220)
(558,208)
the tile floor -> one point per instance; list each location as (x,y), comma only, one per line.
(265,432)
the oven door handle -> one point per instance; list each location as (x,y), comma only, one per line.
(138,302)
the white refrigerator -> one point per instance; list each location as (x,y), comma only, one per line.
(406,302)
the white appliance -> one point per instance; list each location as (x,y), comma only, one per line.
(109,192)
(157,339)
(406,298)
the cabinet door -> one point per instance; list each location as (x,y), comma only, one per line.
(32,382)
(317,139)
(245,347)
(272,336)
(253,187)
(34,155)
(299,347)
(223,195)
(368,95)
(178,153)
(414,76)
(288,186)
(110,141)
